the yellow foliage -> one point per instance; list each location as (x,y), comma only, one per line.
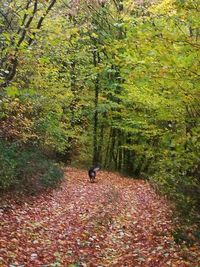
(166,6)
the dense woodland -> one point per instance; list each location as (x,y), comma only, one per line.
(112,83)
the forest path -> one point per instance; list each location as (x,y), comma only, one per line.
(113,222)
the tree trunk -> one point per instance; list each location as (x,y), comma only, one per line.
(96,60)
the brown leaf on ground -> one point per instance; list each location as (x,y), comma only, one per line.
(113,222)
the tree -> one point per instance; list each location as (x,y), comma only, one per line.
(21,20)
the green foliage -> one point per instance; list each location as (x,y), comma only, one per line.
(114,79)
(8,163)
(26,168)
(27,120)
(175,177)
(52,176)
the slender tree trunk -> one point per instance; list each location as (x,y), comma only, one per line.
(101,141)
(96,61)
(112,148)
(120,152)
(106,160)
(73,90)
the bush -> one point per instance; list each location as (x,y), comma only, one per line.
(27,168)
(51,177)
(175,176)
(8,165)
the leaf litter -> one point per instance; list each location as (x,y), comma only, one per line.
(115,221)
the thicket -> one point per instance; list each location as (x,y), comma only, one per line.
(27,169)
(114,83)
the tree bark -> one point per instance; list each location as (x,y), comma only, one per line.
(12,68)
(96,60)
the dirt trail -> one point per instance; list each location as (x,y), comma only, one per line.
(113,222)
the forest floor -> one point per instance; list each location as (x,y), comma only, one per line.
(114,222)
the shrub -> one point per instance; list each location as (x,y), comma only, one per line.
(27,168)
(8,164)
(52,177)
(175,176)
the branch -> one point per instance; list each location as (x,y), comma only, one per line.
(25,15)
(39,25)
(27,25)
(14,63)
(9,25)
